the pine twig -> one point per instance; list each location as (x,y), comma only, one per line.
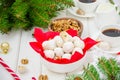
(26,13)
(90,73)
(112,2)
(109,67)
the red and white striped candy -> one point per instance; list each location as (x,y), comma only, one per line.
(33,78)
(15,76)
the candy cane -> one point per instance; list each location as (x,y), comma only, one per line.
(33,78)
(118,53)
(15,76)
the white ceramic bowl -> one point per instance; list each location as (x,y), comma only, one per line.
(64,68)
(78,60)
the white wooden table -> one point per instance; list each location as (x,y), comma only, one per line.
(20,48)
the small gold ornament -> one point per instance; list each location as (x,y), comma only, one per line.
(40,77)
(24,61)
(5,47)
(43,77)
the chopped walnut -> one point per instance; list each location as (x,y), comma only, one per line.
(80,12)
(65,24)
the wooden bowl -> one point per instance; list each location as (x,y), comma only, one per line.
(63,24)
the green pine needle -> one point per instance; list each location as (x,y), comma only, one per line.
(5,25)
(90,73)
(25,14)
(109,67)
(112,2)
(42,11)
(117,77)
(20,9)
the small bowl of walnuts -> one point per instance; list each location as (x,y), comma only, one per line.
(64,24)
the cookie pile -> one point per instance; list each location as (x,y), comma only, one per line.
(63,46)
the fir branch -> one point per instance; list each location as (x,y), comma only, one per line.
(109,67)
(112,2)
(104,66)
(19,9)
(6,3)
(67,2)
(117,77)
(117,9)
(90,73)
(38,18)
(5,26)
(23,14)
(21,25)
(42,11)
(112,65)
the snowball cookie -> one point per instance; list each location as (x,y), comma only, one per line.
(78,49)
(68,47)
(78,42)
(49,45)
(65,36)
(76,38)
(49,53)
(45,45)
(58,41)
(58,51)
(67,56)
(104,45)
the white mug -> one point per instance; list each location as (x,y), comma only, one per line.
(113,41)
(87,7)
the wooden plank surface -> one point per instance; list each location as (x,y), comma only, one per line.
(20,49)
(26,52)
(11,58)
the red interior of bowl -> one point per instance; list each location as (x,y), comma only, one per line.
(41,36)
